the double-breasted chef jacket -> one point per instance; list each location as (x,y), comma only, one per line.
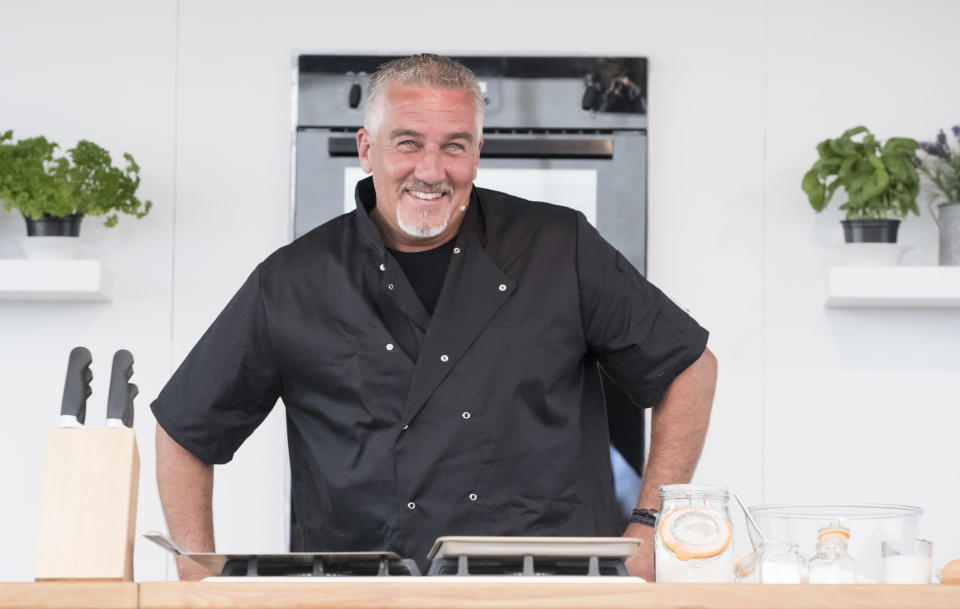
(485,419)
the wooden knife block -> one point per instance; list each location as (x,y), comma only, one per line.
(88,512)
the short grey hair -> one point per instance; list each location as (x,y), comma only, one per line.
(423,70)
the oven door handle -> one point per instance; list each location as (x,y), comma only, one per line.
(512,148)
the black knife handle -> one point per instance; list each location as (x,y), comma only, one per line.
(132,391)
(76,387)
(120,397)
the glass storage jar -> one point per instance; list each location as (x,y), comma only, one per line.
(693,535)
(781,563)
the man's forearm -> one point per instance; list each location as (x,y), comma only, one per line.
(678,429)
(186,493)
(679,426)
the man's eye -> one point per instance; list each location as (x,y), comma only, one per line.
(407,144)
(455,147)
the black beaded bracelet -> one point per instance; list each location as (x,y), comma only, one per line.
(644,517)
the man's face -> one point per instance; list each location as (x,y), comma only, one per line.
(424,158)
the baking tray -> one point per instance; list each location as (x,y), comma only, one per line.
(215,562)
(554,547)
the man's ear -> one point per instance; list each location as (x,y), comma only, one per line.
(477,165)
(363,149)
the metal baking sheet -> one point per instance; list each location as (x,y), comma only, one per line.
(583,547)
(215,562)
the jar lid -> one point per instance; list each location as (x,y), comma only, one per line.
(834,529)
(773,544)
(824,533)
(695,532)
(699,491)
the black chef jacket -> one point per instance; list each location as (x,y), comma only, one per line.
(486,419)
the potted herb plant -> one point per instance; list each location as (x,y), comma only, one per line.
(881,183)
(940,166)
(54,192)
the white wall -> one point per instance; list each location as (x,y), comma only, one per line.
(858,404)
(740,92)
(104,73)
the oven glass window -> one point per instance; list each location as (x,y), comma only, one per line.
(576,188)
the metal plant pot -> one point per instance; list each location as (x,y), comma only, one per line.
(948,219)
(870,231)
(53,226)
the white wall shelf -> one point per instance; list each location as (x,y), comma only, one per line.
(54,280)
(894,286)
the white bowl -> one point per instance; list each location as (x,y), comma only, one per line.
(50,248)
(873,254)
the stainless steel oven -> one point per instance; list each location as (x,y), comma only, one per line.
(567,130)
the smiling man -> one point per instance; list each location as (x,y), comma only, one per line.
(423,154)
(437,353)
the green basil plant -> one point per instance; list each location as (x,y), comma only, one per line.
(881,181)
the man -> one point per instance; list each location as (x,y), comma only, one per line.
(436,351)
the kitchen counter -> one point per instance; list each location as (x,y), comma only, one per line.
(432,594)
(538,594)
(70,595)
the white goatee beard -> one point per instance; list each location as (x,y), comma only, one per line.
(422,230)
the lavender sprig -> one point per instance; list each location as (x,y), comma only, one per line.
(941,166)
(934,149)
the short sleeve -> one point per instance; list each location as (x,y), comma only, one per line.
(228,383)
(640,337)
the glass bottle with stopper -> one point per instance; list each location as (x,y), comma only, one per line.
(832,564)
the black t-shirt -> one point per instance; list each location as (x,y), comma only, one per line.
(485,418)
(425,270)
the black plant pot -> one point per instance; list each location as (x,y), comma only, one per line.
(52,226)
(870,231)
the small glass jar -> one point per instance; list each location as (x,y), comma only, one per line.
(781,563)
(906,561)
(693,535)
(832,564)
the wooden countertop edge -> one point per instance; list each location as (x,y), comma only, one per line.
(404,594)
(69,595)
(539,595)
